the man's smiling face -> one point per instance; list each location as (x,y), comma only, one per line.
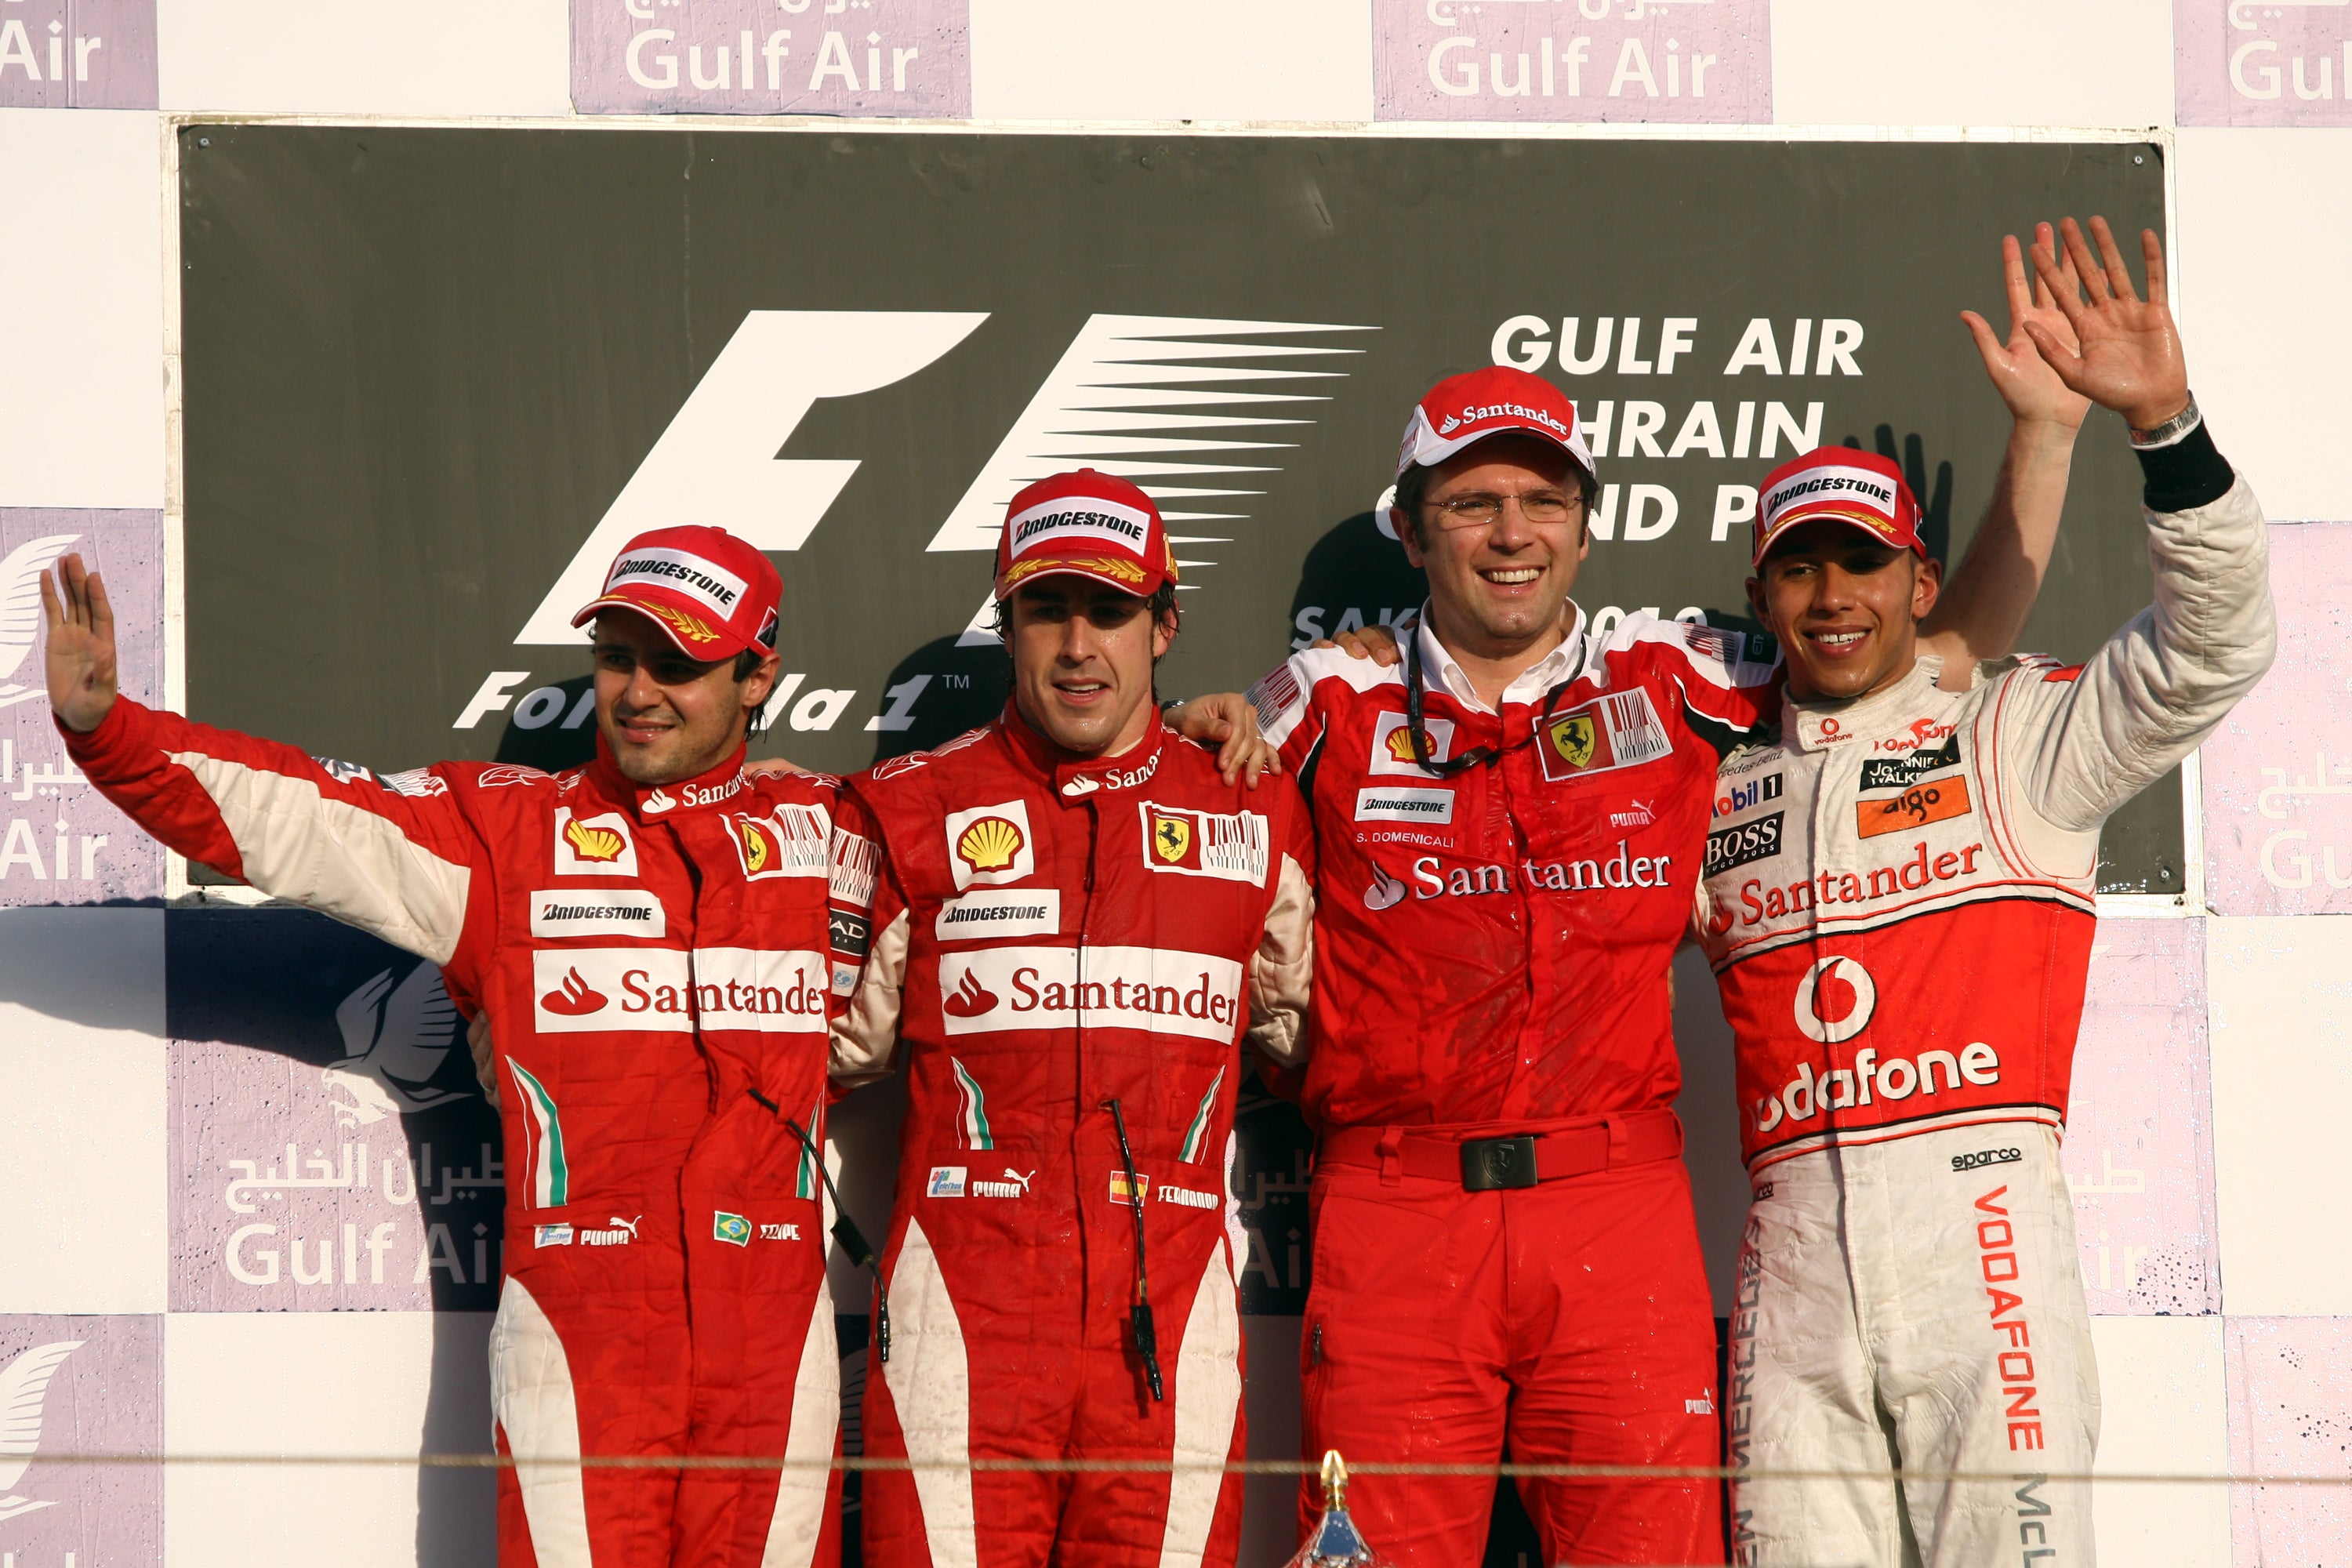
(1082,655)
(1501,534)
(1845,607)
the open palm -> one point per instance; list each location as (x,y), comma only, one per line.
(2034,391)
(78,651)
(2126,355)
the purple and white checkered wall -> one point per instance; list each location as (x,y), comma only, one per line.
(232,1228)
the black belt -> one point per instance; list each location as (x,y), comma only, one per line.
(1513,1160)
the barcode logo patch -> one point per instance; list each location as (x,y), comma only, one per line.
(1621,730)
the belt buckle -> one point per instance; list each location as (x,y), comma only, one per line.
(1488,1163)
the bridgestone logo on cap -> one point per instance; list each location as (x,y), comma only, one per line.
(1058,520)
(1858,484)
(692,575)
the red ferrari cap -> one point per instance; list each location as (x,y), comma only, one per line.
(714,594)
(1858,488)
(1084,524)
(1478,404)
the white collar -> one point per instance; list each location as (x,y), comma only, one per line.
(1819,725)
(1530,686)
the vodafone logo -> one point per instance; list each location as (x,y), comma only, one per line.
(1835,1000)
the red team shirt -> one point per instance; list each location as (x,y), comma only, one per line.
(1494,946)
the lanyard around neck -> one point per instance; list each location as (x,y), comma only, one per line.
(1476,756)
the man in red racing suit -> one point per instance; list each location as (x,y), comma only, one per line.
(1510,824)
(1504,1248)
(1074,920)
(1899,907)
(648,950)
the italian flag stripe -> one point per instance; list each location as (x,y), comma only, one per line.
(1198,1133)
(976,1135)
(805,1186)
(551,1179)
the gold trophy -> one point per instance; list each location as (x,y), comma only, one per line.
(1335,1541)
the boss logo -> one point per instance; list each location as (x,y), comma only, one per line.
(1747,841)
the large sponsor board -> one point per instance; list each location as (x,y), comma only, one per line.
(329,1149)
(81,1385)
(853,348)
(1612,60)
(895,57)
(2139,1142)
(2278,773)
(78,54)
(2262,62)
(60,842)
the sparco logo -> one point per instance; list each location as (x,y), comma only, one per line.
(1984,1157)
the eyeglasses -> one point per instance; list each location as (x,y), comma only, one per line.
(1477,511)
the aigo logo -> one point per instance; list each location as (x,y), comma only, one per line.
(1835,999)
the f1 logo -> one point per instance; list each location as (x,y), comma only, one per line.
(717,461)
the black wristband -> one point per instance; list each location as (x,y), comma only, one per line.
(2189,473)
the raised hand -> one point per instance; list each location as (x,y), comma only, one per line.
(78,651)
(2035,393)
(2126,352)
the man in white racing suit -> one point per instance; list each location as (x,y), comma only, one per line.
(1898,903)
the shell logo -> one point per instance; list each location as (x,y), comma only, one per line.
(1400,745)
(599,844)
(758,854)
(990,844)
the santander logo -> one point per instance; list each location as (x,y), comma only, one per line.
(1835,1000)
(574,998)
(969,1000)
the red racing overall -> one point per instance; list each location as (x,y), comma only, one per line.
(1504,1249)
(652,963)
(1052,938)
